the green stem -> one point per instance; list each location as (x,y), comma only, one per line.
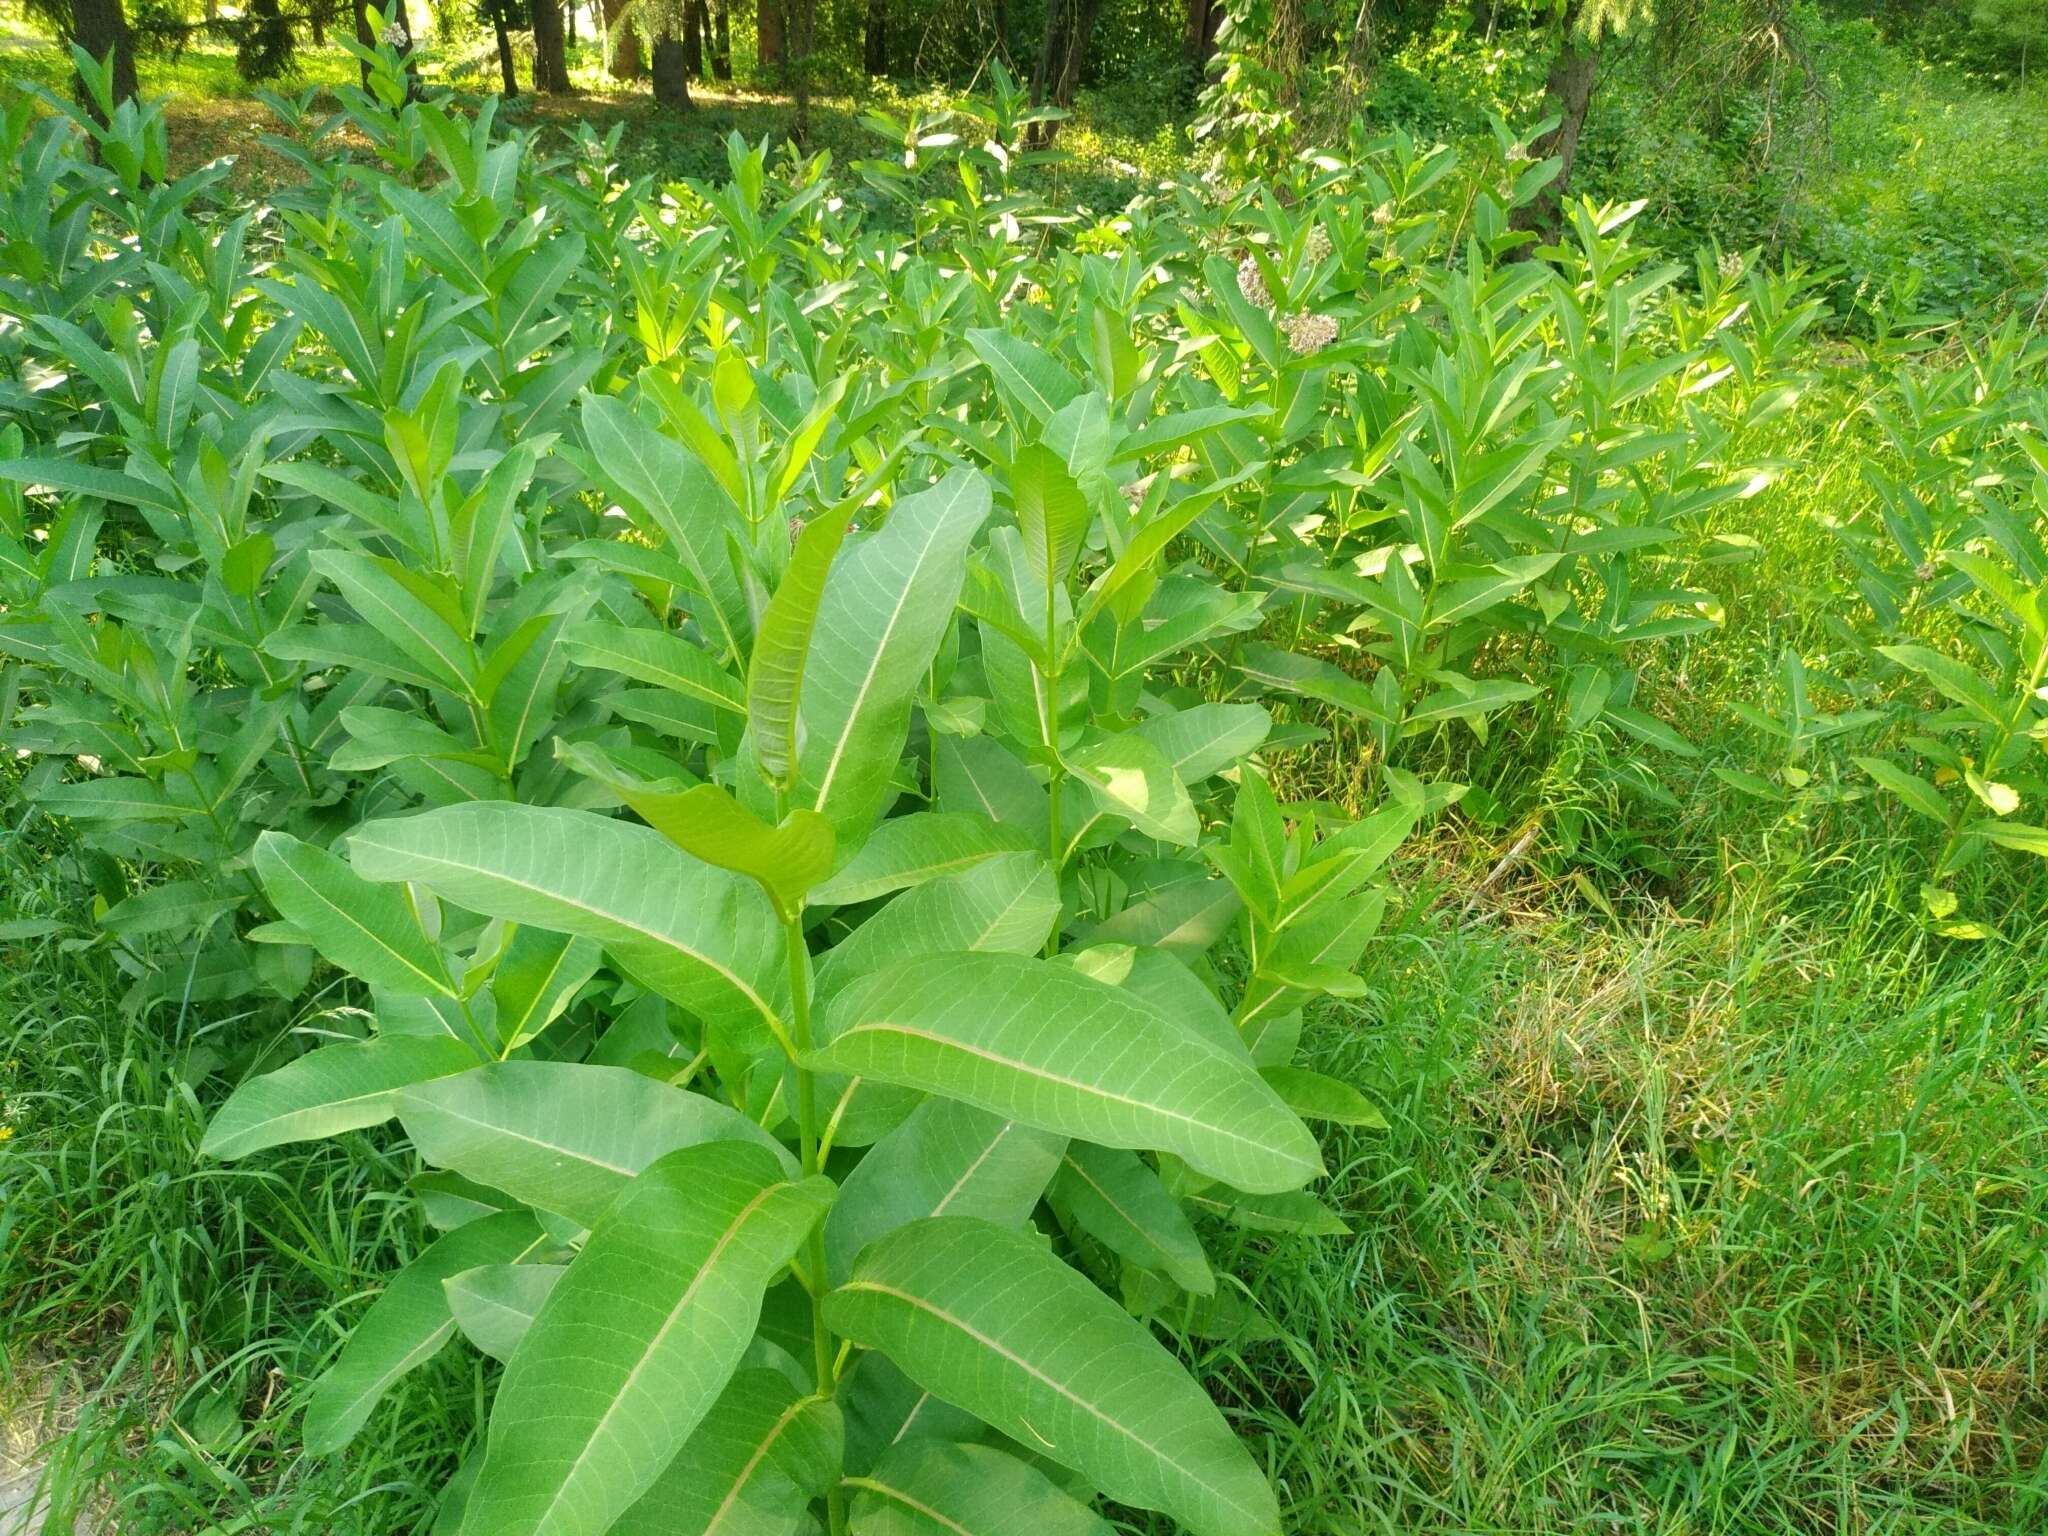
(822,1343)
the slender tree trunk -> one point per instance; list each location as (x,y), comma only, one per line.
(550,60)
(693,38)
(100,27)
(316,24)
(1568,92)
(769,30)
(508,65)
(1198,39)
(363,36)
(721,47)
(876,39)
(1075,56)
(569,27)
(671,73)
(626,62)
(801,19)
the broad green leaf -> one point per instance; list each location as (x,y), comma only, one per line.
(367,929)
(333,1089)
(1033,384)
(782,645)
(906,851)
(889,600)
(406,609)
(2013,834)
(940,1488)
(634,1344)
(1052,511)
(978,776)
(986,1318)
(706,822)
(123,798)
(562,1136)
(667,486)
(658,658)
(1206,739)
(536,978)
(407,1325)
(948,1158)
(1293,1211)
(1915,791)
(764,1452)
(1131,778)
(494,1304)
(1038,1042)
(699,936)
(1954,680)
(1115,1196)
(1316,1097)
(1006,903)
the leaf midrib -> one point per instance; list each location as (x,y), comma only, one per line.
(994,1346)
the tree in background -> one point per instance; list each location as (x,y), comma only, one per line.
(1567,94)
(101,28)
(550,52)
(772,55)
(622,42)
(1062,54)
(263,43)
(2012,27)
(663,25)
(505,16)
(875,38)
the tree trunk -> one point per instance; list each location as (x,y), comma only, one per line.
(876,40)
(1198,39)
(693,38)
(508,66)
(626,62)
(100,27)
(1075,57)
(363,36)
(721,47)
(774,52)
(316,24)
(1568,92)
(671,73)
(550,60)
(801,20)
(569,25)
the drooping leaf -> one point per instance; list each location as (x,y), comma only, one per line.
(943,1488)
(562,1136)
(985,1317)
(782,646)
(494,1304)
(333,1089)
(1038,1042)
(784,860)
(948,1158)
(1121,1201)
(699,936)
(764,1452)
(367,929)
(407,1325)
(636,1341)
